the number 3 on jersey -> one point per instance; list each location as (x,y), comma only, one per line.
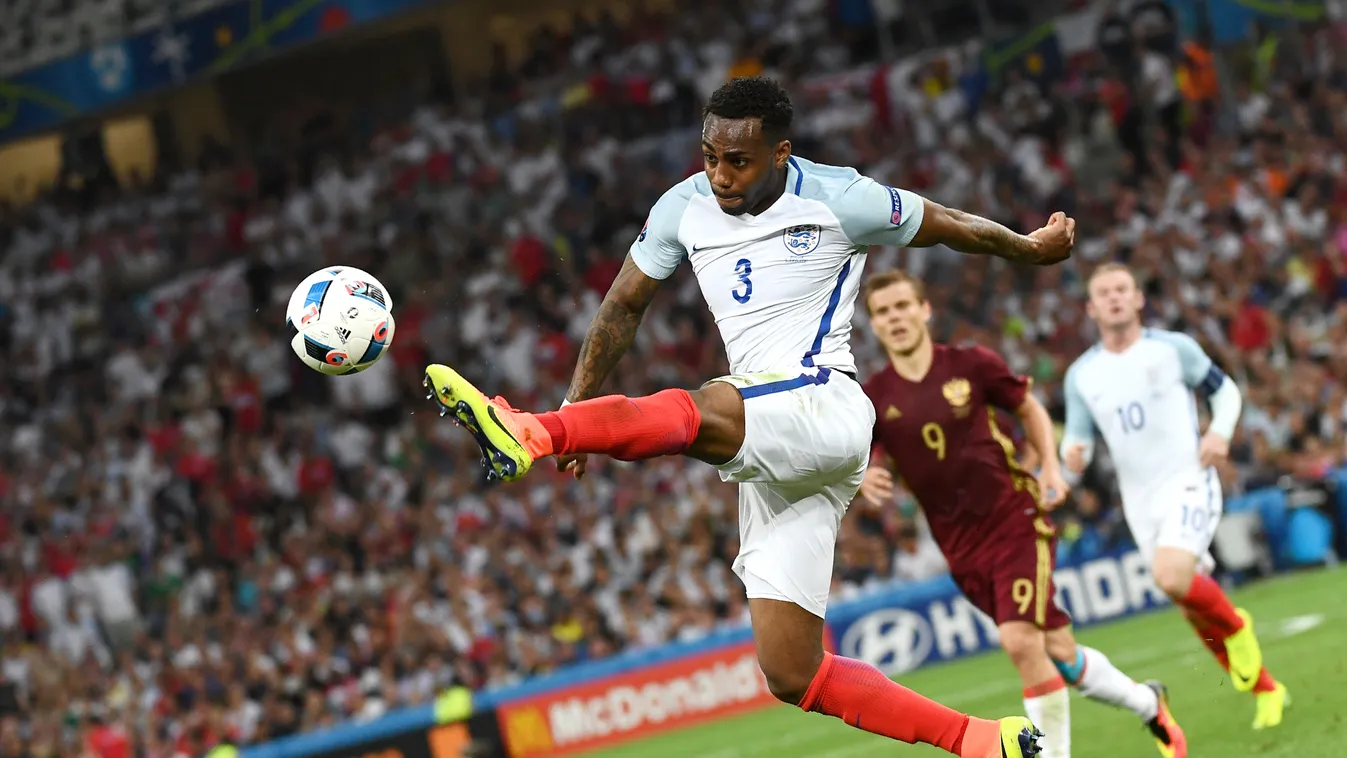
(743,268)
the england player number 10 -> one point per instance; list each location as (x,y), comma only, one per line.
(1132,417)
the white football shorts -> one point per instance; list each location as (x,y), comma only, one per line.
(1182,512)
(806,445)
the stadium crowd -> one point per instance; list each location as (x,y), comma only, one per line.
(200,540)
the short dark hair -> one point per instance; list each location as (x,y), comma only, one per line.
(883,279)
(753,97)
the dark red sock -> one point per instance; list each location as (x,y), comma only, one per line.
(625,428)
(1207,600)
(1216,644)
(863,697)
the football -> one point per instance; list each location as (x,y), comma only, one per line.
(340,320)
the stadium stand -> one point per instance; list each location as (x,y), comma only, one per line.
(38,31)
(202,541)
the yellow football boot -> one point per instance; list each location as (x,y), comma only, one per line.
(1019,738)
(1270,706)
(1245,655)
(510,440)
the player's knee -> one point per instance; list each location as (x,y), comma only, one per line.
(1174,584)
(1173,578)
(721,432)
(787,680)
(1023,643)
(1061,645)
(788,675)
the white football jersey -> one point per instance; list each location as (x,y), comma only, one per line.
(1141,400)
(782,285)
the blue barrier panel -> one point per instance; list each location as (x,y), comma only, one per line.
(316,743)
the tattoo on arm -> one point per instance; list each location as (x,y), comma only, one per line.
(609,336)
(986,237)
(612,331)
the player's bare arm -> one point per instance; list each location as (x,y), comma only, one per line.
(611,332)
(969,233)
(609,337)
(1029,461)
(719,405)
(877,486)
(1038,428)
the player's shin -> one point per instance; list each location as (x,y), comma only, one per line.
(1046,699)
(1048,705)
(1214,641)
(860,695)
(1098,679)
(1205,599)
(628,429)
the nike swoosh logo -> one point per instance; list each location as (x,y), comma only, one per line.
(491,413)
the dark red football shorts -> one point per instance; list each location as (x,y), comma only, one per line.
(1011,580)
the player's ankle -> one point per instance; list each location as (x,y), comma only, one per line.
(556,430)
(981,738)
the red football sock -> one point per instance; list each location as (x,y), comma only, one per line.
(1207,600)
(1215,642)
(1212,639)
(863,697)
(628,429)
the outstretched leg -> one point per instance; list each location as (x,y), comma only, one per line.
(707,424)
(790,651)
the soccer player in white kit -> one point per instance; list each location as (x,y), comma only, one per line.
(1136,387)
(778,246)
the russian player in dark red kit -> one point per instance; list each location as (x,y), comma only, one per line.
(936,428)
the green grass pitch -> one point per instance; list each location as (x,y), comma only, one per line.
(1301,621)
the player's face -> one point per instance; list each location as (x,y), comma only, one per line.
(899,317)
(1115,300)
(747,170)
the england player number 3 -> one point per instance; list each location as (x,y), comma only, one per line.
(743,268)
(934,437)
